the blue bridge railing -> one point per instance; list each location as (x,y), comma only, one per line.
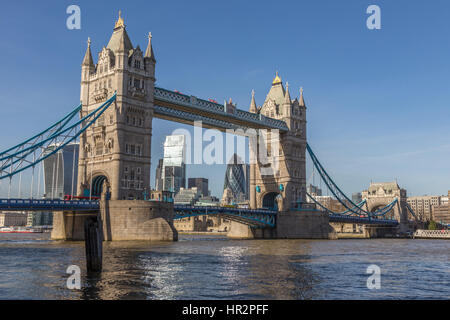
(47,204)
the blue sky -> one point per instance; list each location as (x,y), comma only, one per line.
(378,100)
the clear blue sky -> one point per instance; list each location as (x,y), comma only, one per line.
(378,101)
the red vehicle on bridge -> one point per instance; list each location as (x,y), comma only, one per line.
(69,197)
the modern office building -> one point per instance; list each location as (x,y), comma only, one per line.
(441,213)
(423,206)
(60,171)
(187,196)
(13,219)
(208,201)
(356,197)
(35,219)
(174,167)
(201,184)
(237,178)
(159,176)
(313,191)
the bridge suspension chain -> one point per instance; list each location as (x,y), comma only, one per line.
(411,211)
(346,212)
(48,142)
(340,196)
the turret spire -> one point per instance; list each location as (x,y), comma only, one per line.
(119,22)
(301,101)
(88,61)
(287,97)
(277,79)
(149,52)
(253,103)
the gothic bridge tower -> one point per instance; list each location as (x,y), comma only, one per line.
(286,182)
(115,151)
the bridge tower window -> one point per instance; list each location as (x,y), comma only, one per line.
(99,149)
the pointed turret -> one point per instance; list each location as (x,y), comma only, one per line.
(149,52)
(277,79)
(119,40)
(301,101)
(287,97)
(276,92)
(253,103)
(88,61)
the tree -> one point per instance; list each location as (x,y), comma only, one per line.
(432,225)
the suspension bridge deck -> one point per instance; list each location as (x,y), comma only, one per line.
(254,217)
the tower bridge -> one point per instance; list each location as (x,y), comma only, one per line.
(119,100)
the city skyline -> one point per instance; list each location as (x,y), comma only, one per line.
(350,74)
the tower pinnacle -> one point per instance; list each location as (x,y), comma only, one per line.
(149,51)
(119,22)
(277,79)
(301,101)
(253,103)
(88,61)
(287,97)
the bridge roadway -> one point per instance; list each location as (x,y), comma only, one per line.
(257,217)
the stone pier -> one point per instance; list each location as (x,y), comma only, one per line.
(311,224)
(69,225)
(121,220)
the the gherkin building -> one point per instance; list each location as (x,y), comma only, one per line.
(236,178)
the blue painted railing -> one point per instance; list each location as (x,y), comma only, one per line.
(194,103)
(48,204)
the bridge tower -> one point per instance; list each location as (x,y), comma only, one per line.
(279,182)
(380,194)
(115,152)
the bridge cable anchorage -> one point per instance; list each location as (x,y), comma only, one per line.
(48,142)
(340,196)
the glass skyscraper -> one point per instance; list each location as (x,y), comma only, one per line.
(159,176)
(237,178)
(174,167)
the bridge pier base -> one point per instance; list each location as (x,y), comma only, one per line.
(121,220)
(290,225)
(69,225)
(137,220)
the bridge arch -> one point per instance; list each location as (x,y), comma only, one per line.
(98,183)
(270,200)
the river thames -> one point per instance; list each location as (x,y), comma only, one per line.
(214,267)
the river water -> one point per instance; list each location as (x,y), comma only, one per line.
(214,267)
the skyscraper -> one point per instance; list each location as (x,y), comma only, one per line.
(174,167)
(60,171)
(159,176)
(201,184)
(236,178)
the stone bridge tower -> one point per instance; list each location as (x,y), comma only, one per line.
(115,152)
(379,195)
(279,182)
